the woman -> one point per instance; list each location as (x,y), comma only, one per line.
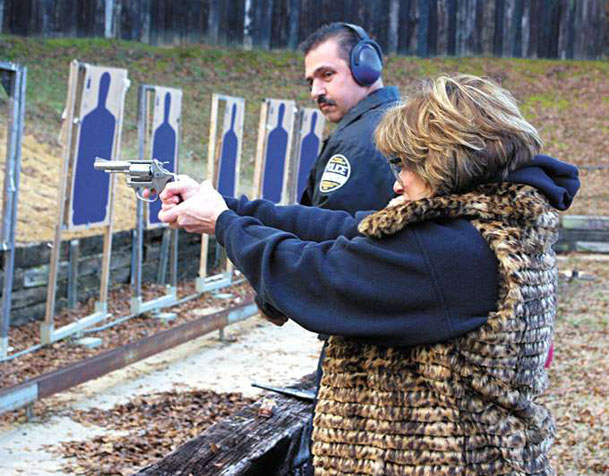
(440,306)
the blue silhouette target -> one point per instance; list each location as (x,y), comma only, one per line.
(276,156)
(227,173)
(309,148)
(90,187)
(164,143)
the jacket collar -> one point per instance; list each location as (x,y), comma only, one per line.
(388,94)
(506,202)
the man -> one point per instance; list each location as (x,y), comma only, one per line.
(343,69)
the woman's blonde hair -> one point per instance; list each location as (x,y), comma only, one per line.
(458,131)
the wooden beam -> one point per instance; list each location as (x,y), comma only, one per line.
(583,222)
(245,444)
(45,385)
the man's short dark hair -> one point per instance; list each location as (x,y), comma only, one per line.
(344,36)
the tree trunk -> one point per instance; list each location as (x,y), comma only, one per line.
(498,36)
(394,18)
(294,24)
(423,28)
(516,28)
(213,22)
(432,29)
(451,43)
(534,27)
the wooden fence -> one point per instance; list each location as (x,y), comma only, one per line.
(521,28)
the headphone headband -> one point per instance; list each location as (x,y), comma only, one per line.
(357,29)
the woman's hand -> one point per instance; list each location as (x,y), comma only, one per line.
(199,210)
(178,191)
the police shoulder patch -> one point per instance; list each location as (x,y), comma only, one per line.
(336,174)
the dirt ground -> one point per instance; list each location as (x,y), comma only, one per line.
(134,416)
(577,396)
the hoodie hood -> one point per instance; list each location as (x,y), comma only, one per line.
(557,180)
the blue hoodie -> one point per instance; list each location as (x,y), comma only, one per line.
(408,289)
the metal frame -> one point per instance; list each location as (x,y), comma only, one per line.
(146,97)
(48,333)
(211,283)
(14,78)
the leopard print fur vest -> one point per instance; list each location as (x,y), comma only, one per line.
(462,407)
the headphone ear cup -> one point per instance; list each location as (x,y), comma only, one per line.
(366,62)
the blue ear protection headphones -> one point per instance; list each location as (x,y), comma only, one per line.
(366,59)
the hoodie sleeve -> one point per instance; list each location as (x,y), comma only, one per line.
(306,223)
(385,293)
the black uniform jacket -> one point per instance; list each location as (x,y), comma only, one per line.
(349,173)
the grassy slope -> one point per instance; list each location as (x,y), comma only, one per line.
(567,101)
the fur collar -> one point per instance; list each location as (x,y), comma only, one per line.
(507,202)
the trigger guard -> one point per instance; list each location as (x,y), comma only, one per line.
(144,199)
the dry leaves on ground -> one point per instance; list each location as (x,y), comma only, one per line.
(145,430)
(579,387)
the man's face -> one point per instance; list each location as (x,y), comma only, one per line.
(332,85)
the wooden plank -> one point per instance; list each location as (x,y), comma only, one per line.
(260,149)
(245,444)
(211,166)
(584,235)
(583,222)
(591,247)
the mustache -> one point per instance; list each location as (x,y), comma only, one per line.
(324,100)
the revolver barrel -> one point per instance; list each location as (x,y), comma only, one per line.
(111,165)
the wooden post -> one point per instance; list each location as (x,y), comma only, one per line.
(211,154)
(258,166)
(46,328)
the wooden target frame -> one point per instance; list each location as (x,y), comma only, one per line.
(151,108)
(80,73)
(223,165)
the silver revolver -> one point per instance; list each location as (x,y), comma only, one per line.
(141,174)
